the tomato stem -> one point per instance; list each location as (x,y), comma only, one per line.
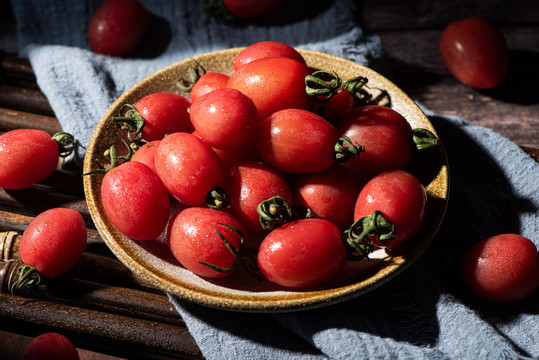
(66,143)
(346,150)
(194,73)
(359,235)
(424,139)
(274,212)
(133,123)
(28,278)
(216,198)
(322,85)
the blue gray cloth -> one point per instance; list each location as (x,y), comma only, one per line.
(424,313)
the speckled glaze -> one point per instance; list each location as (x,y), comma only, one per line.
(151,261)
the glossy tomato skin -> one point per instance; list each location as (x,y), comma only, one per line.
(164,113)
(225,118)
(208,82)
(330,194)
(385,134)
(249,183)
(146,153)
(27,156)
(192,237)
(135,200)
(232,157)
(400,197)
(297,141)
(50,346)
(265,49)
(117,27)
(273,84)
(188,167)
(251,8)
(54,241)
(302,253)
(475,52)
(503,268)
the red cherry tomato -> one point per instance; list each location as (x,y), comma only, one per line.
(302,253)
(164,113)
(54,241)
(118,27)
(146,154)
(273,84)
(265,49)
(225,118)
(248,184)
(50,346)
(208,82)
(188,167)
(503,268)
(135,200)
(26,157)
(401,199)
(246,8)
(475,52)
(297,141)
(232,157)
(193,237)
(336,107)
(385,134)
(330,194)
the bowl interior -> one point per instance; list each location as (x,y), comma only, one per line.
(152,261)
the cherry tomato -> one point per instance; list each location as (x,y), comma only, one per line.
(475,52)
(27,157)
(265,49)
(188,167)
(225,118)
(208,82)
(297,141)
(50,346)
(54,241)
(146,154)
(118,27)
(232,157)
(330,194)
(163,113)
(135,200)
(336,107)
(503,268)
(273,84)
(242,8)
(302,253)
(194,236)
(401,199)
(385,134)
(248,184)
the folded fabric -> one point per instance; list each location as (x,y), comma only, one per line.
(424,313)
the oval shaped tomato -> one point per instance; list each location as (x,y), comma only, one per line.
(330,194)
(50,346)
(135,200)
(208,82)
(400,197)
(27,156)
(251,8)
(297,141)
(273,84)
(164,113)
(265,49)
(194,237)
(225,118)
(302,253)
(336,107)
(385,134)
(146,154)
(475,52)
(503,268)
(232,157)
(249,183)
(117,27)
(54,241)
(188,167)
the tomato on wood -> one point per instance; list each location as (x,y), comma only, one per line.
(117,27)
(265,49)
(475,52)
(50,346)
(302,253)
(273,84)
(196,238)
(188,167)
(502,268)
(135,200)
(54,241)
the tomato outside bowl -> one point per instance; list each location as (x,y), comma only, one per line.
(152,261)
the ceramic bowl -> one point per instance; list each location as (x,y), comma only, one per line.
(152,262)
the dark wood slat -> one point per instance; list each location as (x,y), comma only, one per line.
(30,100)
(15,119)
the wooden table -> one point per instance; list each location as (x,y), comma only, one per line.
(102,306)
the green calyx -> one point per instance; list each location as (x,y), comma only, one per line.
(193,74)
(345,150)
(115,159)
(322,85)
(66,143)
(274,212)
(132,122)
(216,199)
(28,278)
(424,139)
